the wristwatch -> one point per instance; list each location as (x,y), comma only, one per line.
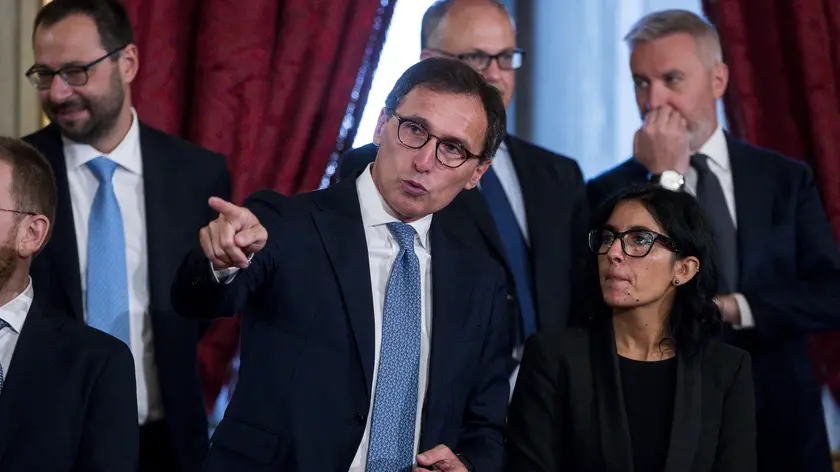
(669,179)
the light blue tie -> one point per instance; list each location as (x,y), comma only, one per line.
(3,324)
(395,404)
(107,284)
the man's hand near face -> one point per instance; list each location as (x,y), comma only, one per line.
(662,142)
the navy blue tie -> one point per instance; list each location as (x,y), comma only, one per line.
(395,404)
(515,247)
(713,201)
(107,276)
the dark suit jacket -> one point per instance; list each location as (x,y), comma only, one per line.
(178,179)
(304,388)
(69,401)
(789,273)
(568,414)
(556,212)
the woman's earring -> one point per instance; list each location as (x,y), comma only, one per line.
(676,282)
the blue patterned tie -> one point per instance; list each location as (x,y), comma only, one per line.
(3,325)
(395,404)
(107,284)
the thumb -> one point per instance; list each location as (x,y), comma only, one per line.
(436,454)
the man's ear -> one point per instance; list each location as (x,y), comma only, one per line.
(380,126)
(477,173)
(32,235)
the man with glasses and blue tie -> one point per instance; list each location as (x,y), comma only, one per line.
(529,212)
(131,200)
(67,391)
(372,340)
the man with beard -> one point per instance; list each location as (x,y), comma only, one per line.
(779,263)
(67,391)
(131,200)
(529,211)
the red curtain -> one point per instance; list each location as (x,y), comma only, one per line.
(784,94)
(267,83)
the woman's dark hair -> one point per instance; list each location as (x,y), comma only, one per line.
(695,318)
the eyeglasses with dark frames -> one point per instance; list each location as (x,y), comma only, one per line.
(414,135)
(29,213)
(634,242)
(480,60)
(41,77)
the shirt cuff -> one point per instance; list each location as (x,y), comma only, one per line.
(226,276)
(747,320)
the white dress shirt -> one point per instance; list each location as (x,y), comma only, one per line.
(718,151)
(128,186)
(502,165)
(14,312)
(382,252)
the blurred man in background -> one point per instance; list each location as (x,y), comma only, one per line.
(131,200)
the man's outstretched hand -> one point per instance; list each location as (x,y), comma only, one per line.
(229,239)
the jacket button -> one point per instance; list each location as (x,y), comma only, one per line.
(510,297)
(360,419)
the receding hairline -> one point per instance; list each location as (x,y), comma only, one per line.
(666,23)
(437,13)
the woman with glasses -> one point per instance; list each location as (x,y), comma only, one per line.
(642,385)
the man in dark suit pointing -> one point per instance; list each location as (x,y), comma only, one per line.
(529,211)
(371,339)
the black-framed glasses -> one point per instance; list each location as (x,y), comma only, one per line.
(479,60)
(634,242)
(414,135)
(75,76)
(19,212)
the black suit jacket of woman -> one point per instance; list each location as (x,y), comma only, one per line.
(567,412)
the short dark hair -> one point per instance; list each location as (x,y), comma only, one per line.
(33,181)
(695,318)
(437,12)
(444,75)
(111,19)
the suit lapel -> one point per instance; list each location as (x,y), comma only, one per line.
(450,310)
(63,249)
(753,208)
(612,416)
(476,207)
(35,354)
(339,223)
(530,185)
(160,179)
(544,235)
(685,426)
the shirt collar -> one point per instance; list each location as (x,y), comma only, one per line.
(717,149)
(376,212)
(14,312)
(126,154)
